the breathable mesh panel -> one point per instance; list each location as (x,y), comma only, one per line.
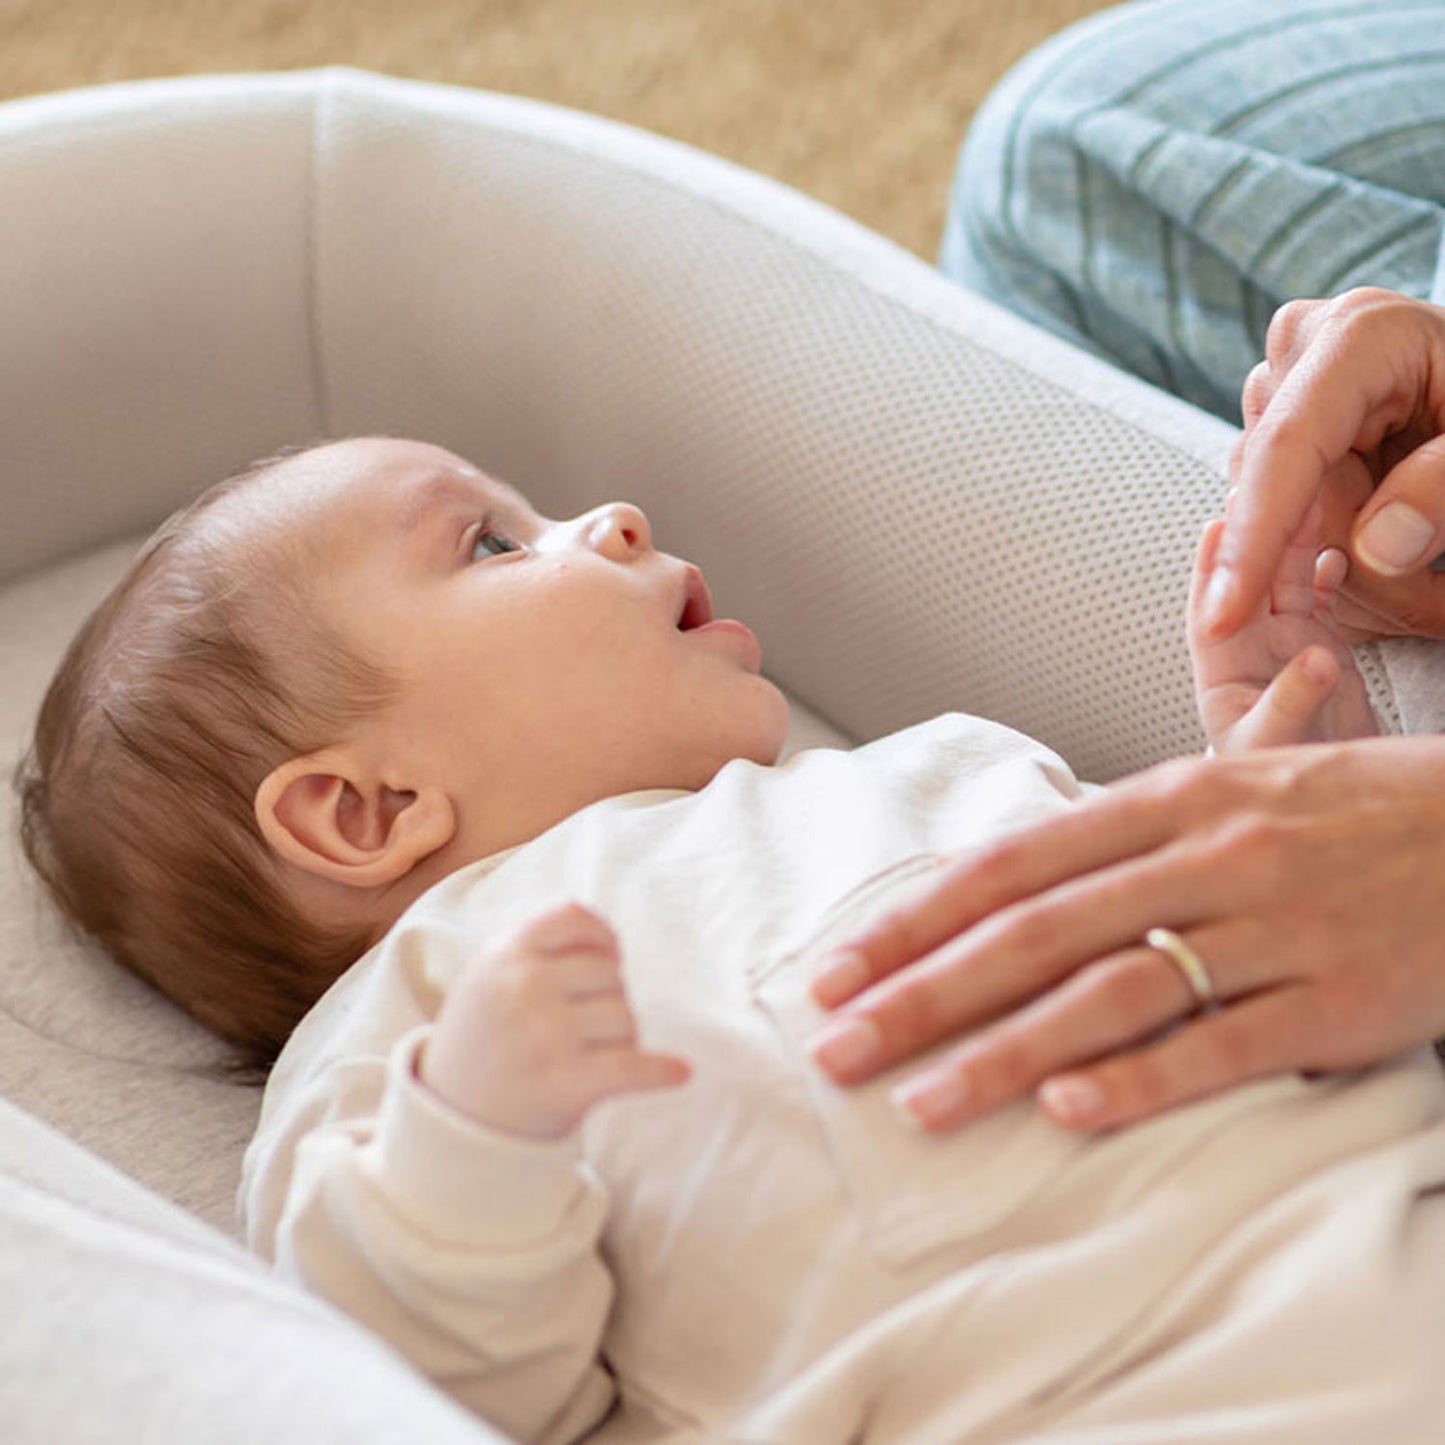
(153,290)
(915,521)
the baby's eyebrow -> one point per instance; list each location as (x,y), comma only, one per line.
(430,490)
(426,517)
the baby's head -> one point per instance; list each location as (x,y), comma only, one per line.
(337,678)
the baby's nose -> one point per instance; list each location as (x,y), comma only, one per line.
(619,528)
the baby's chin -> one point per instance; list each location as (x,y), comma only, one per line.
(782,725)
(768,740)
(773,735)
(758,734)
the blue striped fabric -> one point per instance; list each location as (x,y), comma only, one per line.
(1154,182)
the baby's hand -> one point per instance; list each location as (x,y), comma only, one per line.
(538,1030)
(1287,675)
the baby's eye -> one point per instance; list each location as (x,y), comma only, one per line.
(490,542)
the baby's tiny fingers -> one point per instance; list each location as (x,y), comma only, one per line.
(634,1071)
(584,973)
(1204,554)
(1332,566)
(605,1019)
(1290,705)
(570,926)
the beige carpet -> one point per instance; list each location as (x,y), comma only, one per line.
(860,103)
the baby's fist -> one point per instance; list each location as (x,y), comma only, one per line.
(539,1029)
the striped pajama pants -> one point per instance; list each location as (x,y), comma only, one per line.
(1153,182)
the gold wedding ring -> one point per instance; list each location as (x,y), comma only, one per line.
(1189,964)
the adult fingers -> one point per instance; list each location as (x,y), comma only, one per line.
(1023,950)
(1359,375)
(1291,329)
(1308,868)
(1266,1034)
(1397,532)
(1115,1003)
(1403,523)
(1116,824)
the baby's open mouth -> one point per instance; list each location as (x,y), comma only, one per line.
(696,604)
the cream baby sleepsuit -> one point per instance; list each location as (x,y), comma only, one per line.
(759,1256)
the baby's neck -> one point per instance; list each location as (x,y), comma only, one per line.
(371,911)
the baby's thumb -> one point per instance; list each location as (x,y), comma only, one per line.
(636,1072)
(1290,704)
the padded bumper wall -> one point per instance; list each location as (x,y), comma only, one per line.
(154,279)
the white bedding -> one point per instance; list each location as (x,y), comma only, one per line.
(760,1255)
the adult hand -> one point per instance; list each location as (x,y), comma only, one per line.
(1348,406)
(1307,879)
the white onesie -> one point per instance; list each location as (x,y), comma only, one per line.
(759,1256)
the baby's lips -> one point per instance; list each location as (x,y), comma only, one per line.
(696,608)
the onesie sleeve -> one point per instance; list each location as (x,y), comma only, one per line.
(473,1253)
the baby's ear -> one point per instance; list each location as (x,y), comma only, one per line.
(332,815)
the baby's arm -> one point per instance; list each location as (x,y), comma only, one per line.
(438,1194)
(1286,676)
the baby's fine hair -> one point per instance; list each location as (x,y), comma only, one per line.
(202,670)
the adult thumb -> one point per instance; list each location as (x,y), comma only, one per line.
(1396,536)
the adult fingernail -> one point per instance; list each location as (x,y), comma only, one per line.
(933,1101)
(847,1048)
(1395,539)
(1075,1100)
(841,976)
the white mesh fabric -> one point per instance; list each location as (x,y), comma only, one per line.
(917,508)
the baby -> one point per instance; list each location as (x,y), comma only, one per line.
(485,796)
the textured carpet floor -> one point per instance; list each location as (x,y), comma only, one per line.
(859,103)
